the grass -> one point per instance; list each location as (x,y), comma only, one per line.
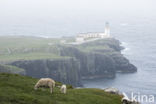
(95,48)
(103,45)
(13,48)
(25,41)
(16,89)
(29,56)
(11,69)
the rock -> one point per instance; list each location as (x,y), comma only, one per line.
(112,90)
(62,70)
(129,102)
(99,62)
(126,100)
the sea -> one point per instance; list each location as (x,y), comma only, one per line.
(134,27)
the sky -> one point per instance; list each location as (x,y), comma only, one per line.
(59,8)
(66,14)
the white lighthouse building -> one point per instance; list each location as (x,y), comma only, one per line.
(83,36)
(107,30)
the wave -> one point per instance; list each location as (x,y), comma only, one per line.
(123,24)
(125,45)
(43,36)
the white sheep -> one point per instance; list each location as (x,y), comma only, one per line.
(63,89)
(45,82)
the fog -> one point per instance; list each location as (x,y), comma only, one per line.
(69,13)
(73,8)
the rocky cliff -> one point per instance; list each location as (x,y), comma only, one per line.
(96,59)
(63,70)
(99,59)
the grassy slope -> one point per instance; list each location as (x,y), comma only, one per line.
(11,69)
(30,56)
(102,44)
(28,48)
(24,41)
(16,89)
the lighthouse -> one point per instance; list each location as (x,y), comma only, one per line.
(86,36)
(107,29)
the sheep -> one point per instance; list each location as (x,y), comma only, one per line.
(111,90)
(45,82)
(63,89)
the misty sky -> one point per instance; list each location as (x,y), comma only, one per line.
(69,13)
(69,8)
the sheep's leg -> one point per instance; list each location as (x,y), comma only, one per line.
(51,89)
(64,91)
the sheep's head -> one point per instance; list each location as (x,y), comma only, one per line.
(36,87)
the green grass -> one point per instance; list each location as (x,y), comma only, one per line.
(94,48)
(29,56)
(16,89)
(14,48)
(25,41)
(11,69)
(103,45)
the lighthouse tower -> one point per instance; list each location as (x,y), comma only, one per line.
(107,29)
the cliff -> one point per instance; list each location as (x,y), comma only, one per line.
(63,70)
(67,63)
(99,59)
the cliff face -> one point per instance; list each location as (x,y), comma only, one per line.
(99,62)
(92,65)
(63,70)
(122,64)
(96,59)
